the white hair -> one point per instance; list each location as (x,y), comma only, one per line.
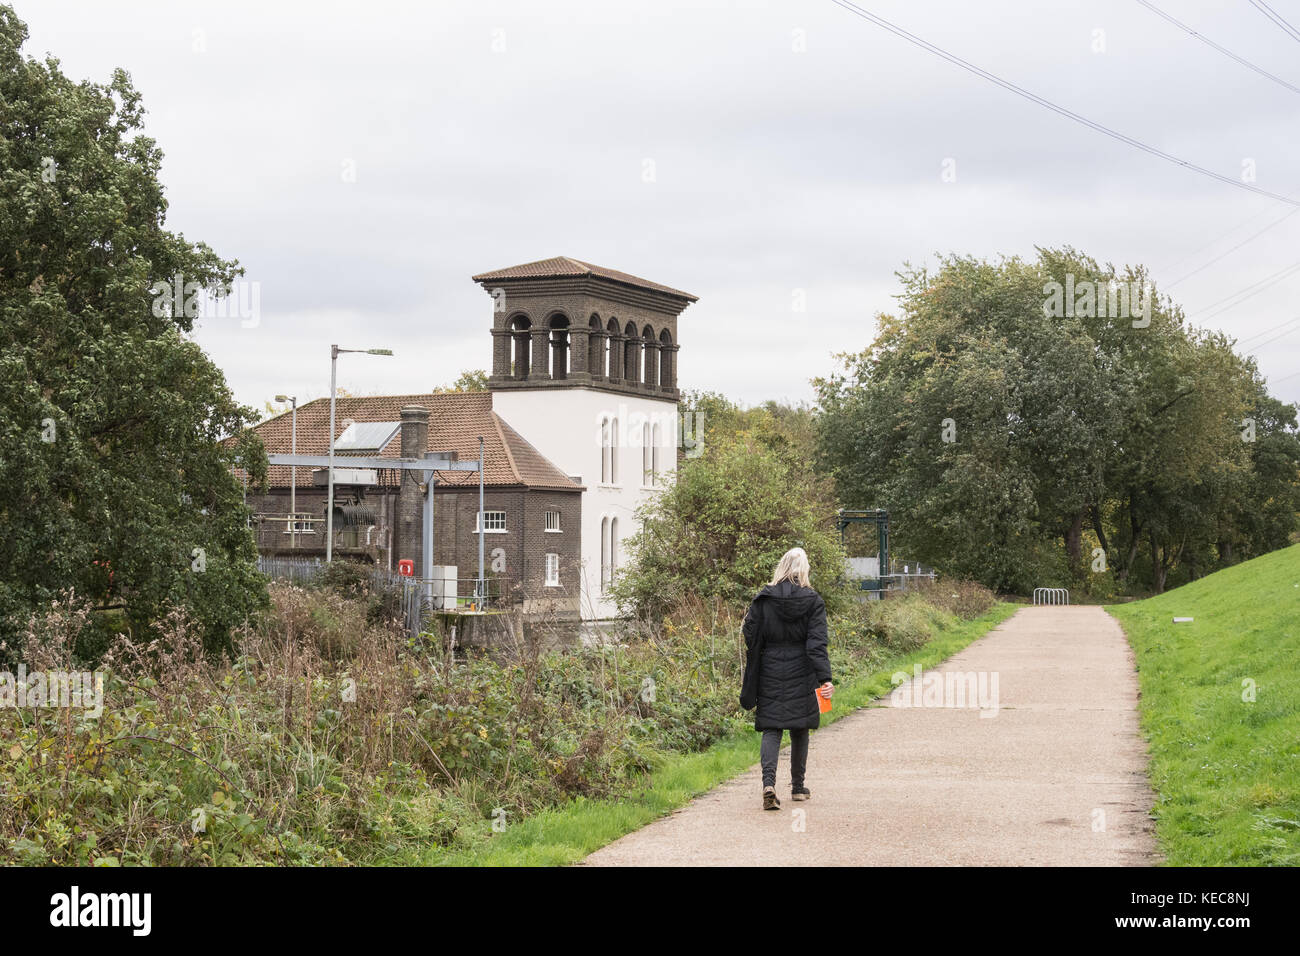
(793,566)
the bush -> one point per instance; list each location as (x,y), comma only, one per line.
(721,527)
(326,739)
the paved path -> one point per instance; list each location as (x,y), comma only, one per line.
(1054,776)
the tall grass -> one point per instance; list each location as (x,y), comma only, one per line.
(331,738)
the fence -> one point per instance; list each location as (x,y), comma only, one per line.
(1051,596)
(419,597)
(904,579)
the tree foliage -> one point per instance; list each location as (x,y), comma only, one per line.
(470,380)
(722,524)
(1010,443)
(116,480)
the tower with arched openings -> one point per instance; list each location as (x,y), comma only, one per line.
(584,362)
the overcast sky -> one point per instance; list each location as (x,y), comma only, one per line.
(793,146)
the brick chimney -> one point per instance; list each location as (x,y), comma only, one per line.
(409,540)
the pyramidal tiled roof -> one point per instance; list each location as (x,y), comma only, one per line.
(567,266)
(456,420)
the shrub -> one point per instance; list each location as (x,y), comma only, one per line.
(721,527)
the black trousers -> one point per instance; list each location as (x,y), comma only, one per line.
(771,748)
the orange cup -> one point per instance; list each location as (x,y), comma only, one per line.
(823,702)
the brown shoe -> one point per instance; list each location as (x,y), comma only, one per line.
(770,802)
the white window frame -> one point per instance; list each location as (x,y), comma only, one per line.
(556,529)
(552,570)
(300,523)
(490,519)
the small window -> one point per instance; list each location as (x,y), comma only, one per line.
(552,521)
(552,570)
(301,524)
(493,521)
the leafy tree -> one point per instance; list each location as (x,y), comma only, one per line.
(116,480)
(996,432)
(470,380)
(720,528)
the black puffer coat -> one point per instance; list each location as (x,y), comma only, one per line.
(786,659)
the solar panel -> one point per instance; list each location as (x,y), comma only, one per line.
(364,438)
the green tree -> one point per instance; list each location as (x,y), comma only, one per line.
(470,380)
(116,479)
(722,525)
(999,431)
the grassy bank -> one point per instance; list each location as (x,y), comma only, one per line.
(566,834)
(1221,709)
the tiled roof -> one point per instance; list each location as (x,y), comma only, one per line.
(456,420)
(565,266)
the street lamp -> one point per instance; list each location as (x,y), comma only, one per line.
(293,472)
(335,351)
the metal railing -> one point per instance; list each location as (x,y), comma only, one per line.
(1051,596)
(418,597)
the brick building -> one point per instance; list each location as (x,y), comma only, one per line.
(579,426)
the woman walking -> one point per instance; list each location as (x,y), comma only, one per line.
(785,664)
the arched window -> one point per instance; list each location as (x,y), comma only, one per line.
(559,335)
(656,442)
(651,357)
(595,348)
(613,353)
(631,355)
(647,456)
(666,379)
(613,548)
(521,334)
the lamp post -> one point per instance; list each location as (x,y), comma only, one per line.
(335,351)
(482,585)
(293,472)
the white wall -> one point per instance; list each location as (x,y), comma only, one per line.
(564,424)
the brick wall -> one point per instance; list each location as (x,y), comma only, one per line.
(522,547)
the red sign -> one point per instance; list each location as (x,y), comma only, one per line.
(406,568)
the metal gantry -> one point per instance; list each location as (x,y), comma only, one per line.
(844,518)
(425,469)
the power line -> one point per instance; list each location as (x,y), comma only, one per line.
(1229,252)
(1250,291)
(1069,114)
(1276,17)
(1256,348)
(1268,331)
(1224,50)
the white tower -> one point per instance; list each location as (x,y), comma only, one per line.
(584,365)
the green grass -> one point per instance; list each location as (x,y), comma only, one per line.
(1226,770)
(567,834)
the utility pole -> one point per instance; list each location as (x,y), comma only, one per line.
(329,499)
(482,584)
(293,471)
